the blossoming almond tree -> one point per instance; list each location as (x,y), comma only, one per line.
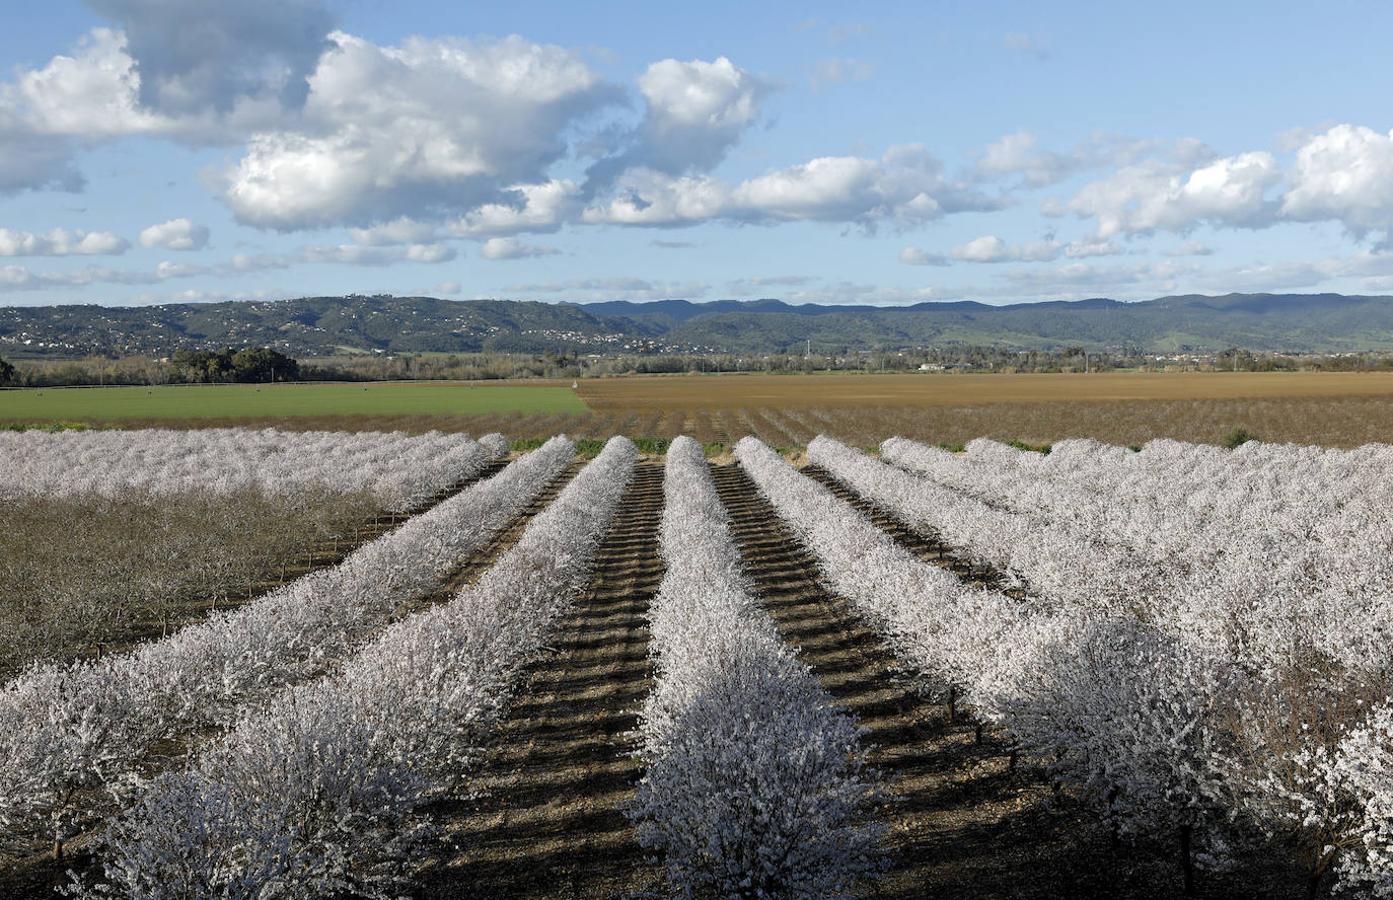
(754,783)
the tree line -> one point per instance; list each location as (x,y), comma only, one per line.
(262,365)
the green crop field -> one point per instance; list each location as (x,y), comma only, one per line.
(441,398)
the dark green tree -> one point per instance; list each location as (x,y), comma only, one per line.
(261,364)
(7,371)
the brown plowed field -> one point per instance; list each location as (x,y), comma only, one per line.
(1340,409)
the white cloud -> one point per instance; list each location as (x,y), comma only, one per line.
(362,255)
(904,187)
(524,208)
(398,231)
(694,112)
(1018,154)
(176,234)
(646,197)
(21,278)
(1158,196)
(992,249)
(61,242)
(511,248)
(913,256)
(91,94)
(426,130)
(1345,174)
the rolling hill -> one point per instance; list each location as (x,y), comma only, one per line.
(317,326)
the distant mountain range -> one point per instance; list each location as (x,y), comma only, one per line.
(320,326)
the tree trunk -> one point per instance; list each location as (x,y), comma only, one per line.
(1317,876)
(978,738)
(57,848)
(1187,861)
(1015,755)
(952,705)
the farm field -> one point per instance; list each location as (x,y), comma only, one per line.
(1329,409)
(1096,672)
(279,401)
(834,390)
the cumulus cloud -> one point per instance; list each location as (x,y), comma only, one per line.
(694,113)
(176,234)
(61,242)
(91,94)
(1019,154)
(905,186)
(511,248)
(427,129)
(21,278)
(1159,196)
(913,256)
(1344,174)
(195,54)
(992,249)
(361,255)
(401,230)
(522,208)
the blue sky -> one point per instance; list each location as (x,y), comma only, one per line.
(169,150)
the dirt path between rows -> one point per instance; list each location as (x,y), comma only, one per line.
(962,823)
(549,821)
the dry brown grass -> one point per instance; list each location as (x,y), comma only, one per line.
(82,572)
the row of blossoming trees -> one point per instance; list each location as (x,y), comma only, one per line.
(1195,641)
(1200,639)
(109,535)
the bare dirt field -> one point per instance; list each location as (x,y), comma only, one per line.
(1335,409)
